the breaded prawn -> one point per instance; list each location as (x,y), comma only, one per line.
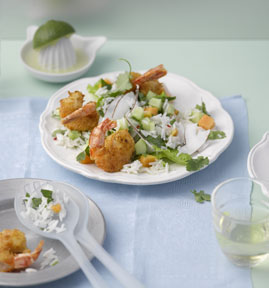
(75,116)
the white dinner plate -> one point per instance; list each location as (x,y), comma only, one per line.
(188,95)
(9,220)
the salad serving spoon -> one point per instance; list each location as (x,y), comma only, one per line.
(81,232)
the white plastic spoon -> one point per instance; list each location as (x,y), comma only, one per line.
(87,240)
(66,237)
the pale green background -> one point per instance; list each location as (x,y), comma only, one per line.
(220,45)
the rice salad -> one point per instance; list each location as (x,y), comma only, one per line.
(46,209)
(163,135)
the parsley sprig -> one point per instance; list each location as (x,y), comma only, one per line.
(201,196)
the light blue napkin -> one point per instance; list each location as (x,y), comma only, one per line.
(158,233)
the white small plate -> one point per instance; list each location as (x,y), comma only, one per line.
(258,159)
(9,220)
(89,46)
(188,95)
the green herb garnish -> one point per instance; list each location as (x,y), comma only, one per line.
(54,263)
(82,155)
(123,83)
(201,196)
(158,141)
(197,164)
(173,155)
(47,194)
(36,202)
(58,131)
(216,135)
(56,114)
(129,64)
(202,108)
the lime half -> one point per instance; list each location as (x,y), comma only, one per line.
(50,32)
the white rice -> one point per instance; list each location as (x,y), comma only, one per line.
(65,141)
(136,167)
(30,270)
(50,259)
(43,216)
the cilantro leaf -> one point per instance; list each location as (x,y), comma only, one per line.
(202,108)
(47,194)
(123,82)
(197,164)
(36,202)
(158,141)
(172,155)
(172,121)
(216,135)
(82,155)
(105,84)
(87,150)
(201,196)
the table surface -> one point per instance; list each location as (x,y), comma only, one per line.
(224,68)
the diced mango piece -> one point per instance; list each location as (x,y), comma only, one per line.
(56,208)
(147,114)
(176,112)
(206,122)
(146,160)
(87,160)
(174,132)
(152,110)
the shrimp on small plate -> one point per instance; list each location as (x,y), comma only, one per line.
(14,255)
(77,117)
(112,152)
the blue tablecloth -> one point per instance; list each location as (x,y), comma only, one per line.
(158,233)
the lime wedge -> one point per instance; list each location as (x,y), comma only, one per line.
(50,32)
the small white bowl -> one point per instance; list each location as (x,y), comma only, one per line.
(88,45)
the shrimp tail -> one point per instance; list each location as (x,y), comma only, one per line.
(87,110)
(97,137)
(24,260)
(151,74)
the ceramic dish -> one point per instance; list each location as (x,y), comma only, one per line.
(188,95)
(9,220)
(258,160)
(88,45)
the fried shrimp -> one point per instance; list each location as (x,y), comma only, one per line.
(75,116)
(149,80)
(151,74)
(112,152)
(14,254)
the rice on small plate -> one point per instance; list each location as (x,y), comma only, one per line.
(46,208)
